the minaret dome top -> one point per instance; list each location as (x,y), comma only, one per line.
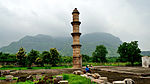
(75,11)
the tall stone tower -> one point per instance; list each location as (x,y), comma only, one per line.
(77,58)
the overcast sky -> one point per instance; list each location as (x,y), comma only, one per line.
(127,19)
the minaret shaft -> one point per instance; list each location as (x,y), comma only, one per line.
(77,58)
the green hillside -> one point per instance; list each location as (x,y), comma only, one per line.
(63,44)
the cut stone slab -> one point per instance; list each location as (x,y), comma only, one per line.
(128,81)
(88,74)
(103,78)
(98,81)
(59,78)
(118,82)
(9,77)
(96,75)
(78,72)
(38,77)
(63,82)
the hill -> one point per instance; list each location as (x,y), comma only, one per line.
(63,44)
(145,53)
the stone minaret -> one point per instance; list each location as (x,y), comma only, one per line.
(77,58)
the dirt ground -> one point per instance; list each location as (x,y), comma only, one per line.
(138,74)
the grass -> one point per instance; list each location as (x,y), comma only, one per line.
(4,78)
(76,79)
(28,68)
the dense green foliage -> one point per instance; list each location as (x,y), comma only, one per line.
(54,56)
(21,57)
(46,57)
(32,56)
(85,58)
(6,57)
(66,59)
(88,41)
(99,55)
(129,52)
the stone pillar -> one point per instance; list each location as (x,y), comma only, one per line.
(77,58)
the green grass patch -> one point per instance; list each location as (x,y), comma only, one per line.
(4,78)
(27,68)
(76,79)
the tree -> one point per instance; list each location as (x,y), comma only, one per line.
(46,57)
(85,58)
(54,56)
(129,52)
(99,55)
(32,55)
(21,57)
(39,61)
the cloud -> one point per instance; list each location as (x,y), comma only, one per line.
(126,19)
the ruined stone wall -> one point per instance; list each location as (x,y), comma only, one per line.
(145,61)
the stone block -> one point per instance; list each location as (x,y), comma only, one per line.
(96,75)
(63,82)
(9,77)
(38,77)
(59,78)
(88,74)
(98,81)
(6,72)
(22,78)
(78,72)
(128,81)
(118,82)
(103,78)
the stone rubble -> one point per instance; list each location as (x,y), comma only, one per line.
(95,77)
(9,77)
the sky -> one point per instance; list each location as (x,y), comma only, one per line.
(127,19)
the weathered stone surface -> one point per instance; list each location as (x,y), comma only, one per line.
(9,77)
(78,72)
(118,82)
(59,78)
(63,82)
(77,58)
(88,74)
(38,77)
(6,72)
(145,61)
(103,78)
(22,78)
(30,77)
(96,75)
(98,81)
(128,81)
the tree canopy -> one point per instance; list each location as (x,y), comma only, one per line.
(99,55)
(21,56)
(129,52)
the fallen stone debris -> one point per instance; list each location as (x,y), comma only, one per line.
(95,77)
